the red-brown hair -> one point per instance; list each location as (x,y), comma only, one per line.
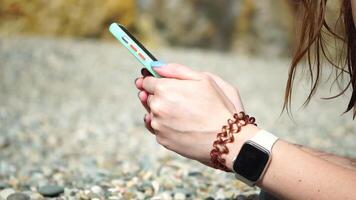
(312,45)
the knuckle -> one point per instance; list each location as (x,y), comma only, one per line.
(147,79)
(160,88)
(144,81)
(155,107)
(155,124)
(150,101)
(158,108)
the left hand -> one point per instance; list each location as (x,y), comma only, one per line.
(186,110)
(231,92)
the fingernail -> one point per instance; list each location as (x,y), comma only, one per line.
(138,94)
(157,64)
(144,118)
(136,80)
(145,72)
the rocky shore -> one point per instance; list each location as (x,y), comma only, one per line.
(71,125)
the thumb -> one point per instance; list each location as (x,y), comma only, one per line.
(176,71)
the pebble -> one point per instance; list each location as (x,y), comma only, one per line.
(156,186)
(195,173)
(185,191)
(70,191)
(4,142)
(6,193)
(18,196)
(253,197)
(118,197)
(83,195)
(96,189)
(4,185)
(164,195)
(241,197)
(51,190)
(118,182)
(146,188)
(36,196)
(179,196)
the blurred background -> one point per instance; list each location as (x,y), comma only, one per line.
(253,27)
(71,125)
(243,25)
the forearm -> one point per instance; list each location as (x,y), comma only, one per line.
(349,163)
(296,174)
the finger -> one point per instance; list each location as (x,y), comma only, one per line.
(145,72)
(143,96)
(147,120)
(149,84)
(177,71)
(149,100)
(138,83)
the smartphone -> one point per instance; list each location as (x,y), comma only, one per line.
(134,46)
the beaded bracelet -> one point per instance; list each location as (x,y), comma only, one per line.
(227,136)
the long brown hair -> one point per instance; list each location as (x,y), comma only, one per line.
(312,44)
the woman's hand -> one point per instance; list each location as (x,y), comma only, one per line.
(187,109)
(229,91)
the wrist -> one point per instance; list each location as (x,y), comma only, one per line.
(246,133)
(241,123)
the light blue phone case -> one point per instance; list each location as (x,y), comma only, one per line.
(139,54)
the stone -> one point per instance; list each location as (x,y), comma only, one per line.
(254,197)
(156,186)
(4,185)
(96,189)
(6,193)
(179,196)
(240,197)
(115,197)
(166,196)
(51,190)
(187,192)
(118,182)
(18,196)
(71,191)
(36,196)
(195,173)
(4,142)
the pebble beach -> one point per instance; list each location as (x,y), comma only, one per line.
(71,126)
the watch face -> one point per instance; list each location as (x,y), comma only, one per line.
(251,162)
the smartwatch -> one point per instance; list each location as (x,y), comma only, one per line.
(252,161)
